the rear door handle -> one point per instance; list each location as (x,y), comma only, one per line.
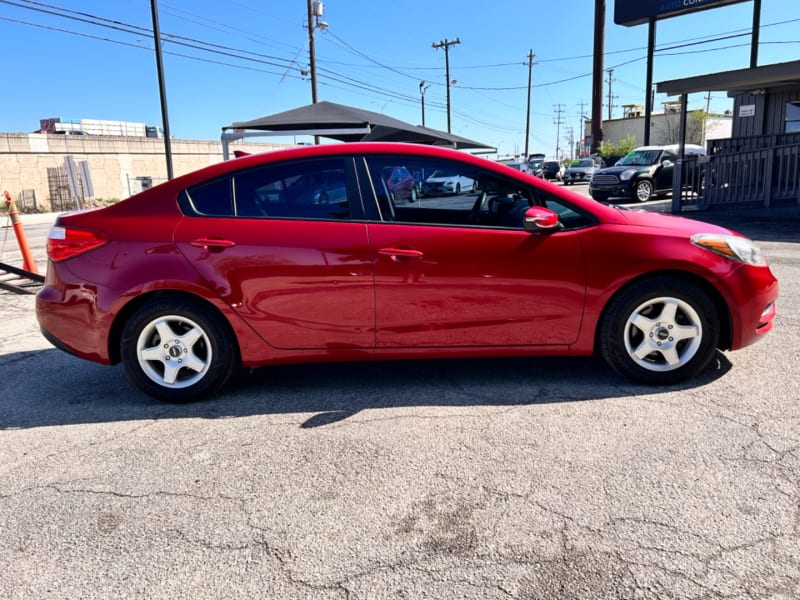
(401,254)
(209,243)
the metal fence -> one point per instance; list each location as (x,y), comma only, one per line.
(741,172)
(61,197)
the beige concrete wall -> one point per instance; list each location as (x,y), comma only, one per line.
(114,162)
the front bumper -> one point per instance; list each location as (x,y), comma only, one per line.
(623,190)
(755,291)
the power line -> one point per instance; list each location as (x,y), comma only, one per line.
(334,78)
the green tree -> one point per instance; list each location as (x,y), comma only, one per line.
(695,126)
(611,150)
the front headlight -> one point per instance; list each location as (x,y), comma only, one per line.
(731,246)
(627,174)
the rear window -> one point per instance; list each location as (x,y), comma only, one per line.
(212,198)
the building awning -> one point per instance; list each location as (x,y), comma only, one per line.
(740,80)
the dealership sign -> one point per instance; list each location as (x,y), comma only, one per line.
(634,12)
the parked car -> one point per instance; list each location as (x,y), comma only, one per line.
(579,171)
(321,187)
(219,269)
(518,165)
(642,174)
(552,169)
(400,183)
(444,181)
(536,166)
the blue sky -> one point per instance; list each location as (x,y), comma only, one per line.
(373,55)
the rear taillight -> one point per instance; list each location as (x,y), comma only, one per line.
(66,242)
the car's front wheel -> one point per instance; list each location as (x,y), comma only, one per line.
(177,350)
(660,331)
(643,190)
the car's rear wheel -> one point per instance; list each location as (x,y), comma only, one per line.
(177,351)
(660,331)
(643,190)
(413,196)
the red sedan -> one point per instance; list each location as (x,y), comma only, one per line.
(303,255)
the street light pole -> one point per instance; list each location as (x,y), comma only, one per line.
(422,89)
(445,43)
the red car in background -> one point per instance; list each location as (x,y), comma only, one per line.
(231,266)
(400,183)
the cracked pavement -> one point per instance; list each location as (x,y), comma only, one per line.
(507,478)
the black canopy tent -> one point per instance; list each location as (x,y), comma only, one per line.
(344,124)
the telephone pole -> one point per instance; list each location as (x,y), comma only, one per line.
(597,73)
(581,128)
(559,108)
(528,114)
(162,88)
(445,43)
(610,97)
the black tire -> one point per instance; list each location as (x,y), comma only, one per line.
(413,196)
(458,188)
(198,340)
(659,331)
(643,190)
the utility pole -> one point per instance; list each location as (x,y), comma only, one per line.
(597,73)
(162,88)
(705,118)
(581,128)
(559,108)
(571,138)
(528,114)
(445,43)
(312,59)
(610,97)
(315,9)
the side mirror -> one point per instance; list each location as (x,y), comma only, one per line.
(667,162)
(539,220)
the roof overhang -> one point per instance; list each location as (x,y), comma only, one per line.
(740,80)
(345,124)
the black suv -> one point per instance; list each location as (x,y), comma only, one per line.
(552,169)
(641,174)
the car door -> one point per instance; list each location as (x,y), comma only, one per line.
(663,178)
(451,271)
(282,246)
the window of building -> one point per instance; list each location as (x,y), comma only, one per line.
(792,117)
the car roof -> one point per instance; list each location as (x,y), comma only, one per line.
(674,148)
(155,194)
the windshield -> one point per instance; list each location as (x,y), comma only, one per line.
(640,158)
(586,162)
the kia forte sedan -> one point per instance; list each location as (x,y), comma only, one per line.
(246,263)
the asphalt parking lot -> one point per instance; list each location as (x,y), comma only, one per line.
(507,478)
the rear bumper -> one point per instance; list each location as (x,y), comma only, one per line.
(69,316)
